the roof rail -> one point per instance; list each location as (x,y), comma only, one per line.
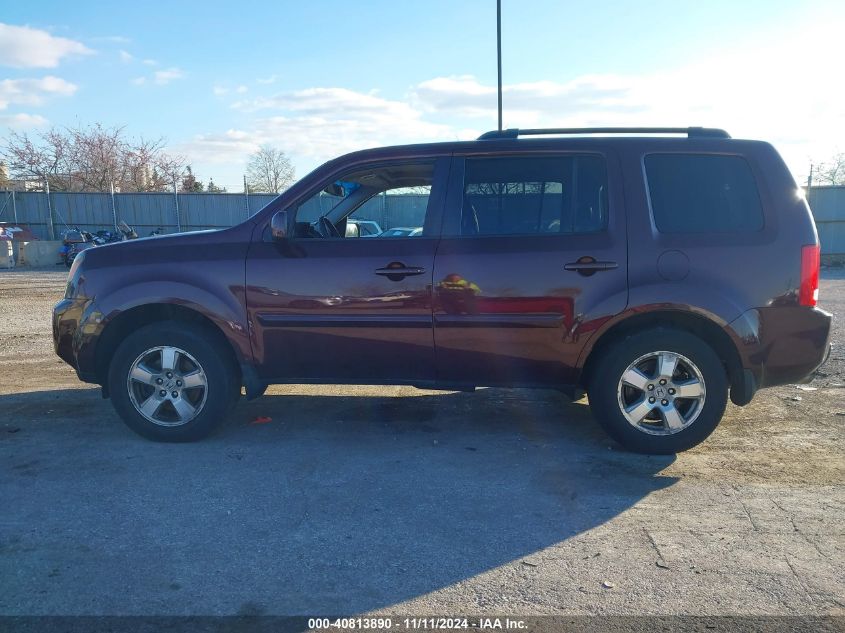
(691,132)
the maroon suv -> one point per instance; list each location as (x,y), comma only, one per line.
(659,273)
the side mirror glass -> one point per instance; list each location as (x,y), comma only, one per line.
(279,225)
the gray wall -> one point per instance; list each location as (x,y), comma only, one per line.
(149,211)
(144,211)
(828,205)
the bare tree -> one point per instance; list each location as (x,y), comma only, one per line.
(831,172)
(91,159)
(269,170)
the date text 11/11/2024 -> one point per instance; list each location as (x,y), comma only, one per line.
(415,624)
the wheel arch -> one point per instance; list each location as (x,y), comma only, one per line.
(703,326)
(140,316)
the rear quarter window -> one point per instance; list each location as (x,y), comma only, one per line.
(702,193)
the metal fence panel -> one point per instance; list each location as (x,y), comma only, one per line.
(258,201)
(828,205)
(146,212)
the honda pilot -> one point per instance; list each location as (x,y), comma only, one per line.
(659,270)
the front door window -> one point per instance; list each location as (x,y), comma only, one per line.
(377,202)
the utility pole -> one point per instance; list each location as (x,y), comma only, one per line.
(113,207)
(49,210)
(499,54)
(176,198)
(246,197)
(809,183)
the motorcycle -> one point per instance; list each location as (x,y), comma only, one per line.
(76,240)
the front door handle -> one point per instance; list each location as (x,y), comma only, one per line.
(588,265)
(397,270)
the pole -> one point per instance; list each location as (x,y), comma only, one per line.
(809,184)
(113,207)
(383,223)
(14,206)
(49,211)
(176,198)
(499,54)
(246,196)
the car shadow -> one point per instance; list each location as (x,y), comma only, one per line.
(339,504)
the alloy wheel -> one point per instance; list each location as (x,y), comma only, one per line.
(661,393)
(167,386)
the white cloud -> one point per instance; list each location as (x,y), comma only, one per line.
(160,77)
(149,62)
(773,89)
(25,47)
(22,121)
(112,39)
(219,91)
(267,80)
(241,89)
(163,77)
(314,125)
(125,57)
(33,92)
(770,87)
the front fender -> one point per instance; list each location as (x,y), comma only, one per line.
(224,311)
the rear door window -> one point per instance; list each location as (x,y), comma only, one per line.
(529,195)
(701,193)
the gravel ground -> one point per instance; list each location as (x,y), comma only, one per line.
(395,500)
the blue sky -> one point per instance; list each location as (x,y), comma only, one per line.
(321,78)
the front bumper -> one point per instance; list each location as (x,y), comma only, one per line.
(76,325)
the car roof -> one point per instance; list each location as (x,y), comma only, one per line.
(561,143)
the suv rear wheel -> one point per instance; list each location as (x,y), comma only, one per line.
(659,391)
(170,383)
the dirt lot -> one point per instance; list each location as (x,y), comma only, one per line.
(396,500)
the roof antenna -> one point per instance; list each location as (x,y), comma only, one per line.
(499,54)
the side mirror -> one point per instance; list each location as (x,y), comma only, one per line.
(279,225)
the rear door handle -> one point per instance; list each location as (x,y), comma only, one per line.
(588,266)
(397,270)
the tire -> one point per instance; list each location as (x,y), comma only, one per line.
(684,411)
(204,379)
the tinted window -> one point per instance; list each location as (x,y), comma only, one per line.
(702,194)
(517,196)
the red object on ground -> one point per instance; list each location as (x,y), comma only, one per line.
(18,232)
(262,419)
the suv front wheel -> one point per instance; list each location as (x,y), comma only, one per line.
(659,391)
(170,383)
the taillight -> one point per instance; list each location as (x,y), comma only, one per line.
(808,294)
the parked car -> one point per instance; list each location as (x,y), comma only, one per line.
(658,273)
(366,228)
(402,231)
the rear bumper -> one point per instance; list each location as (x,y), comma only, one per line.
(781,345)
